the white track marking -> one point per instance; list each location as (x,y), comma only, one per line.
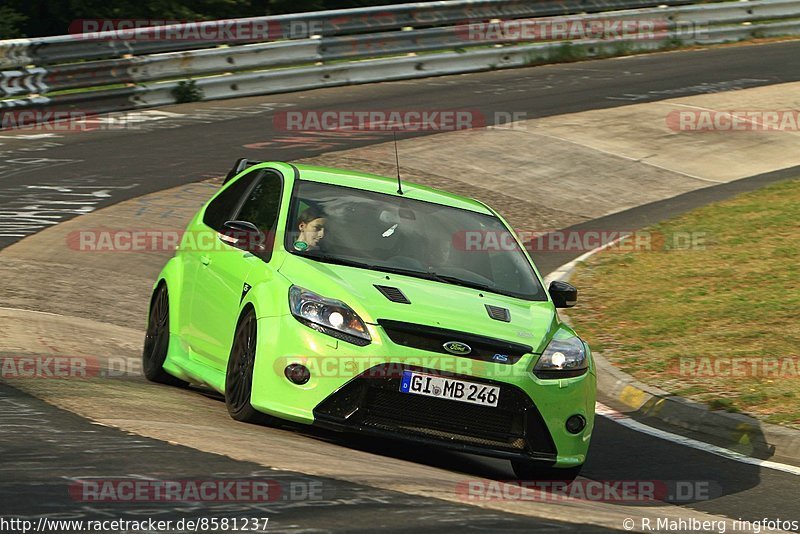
(627,422)
(4,308)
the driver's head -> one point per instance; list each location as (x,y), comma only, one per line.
(311,224)
(437,253)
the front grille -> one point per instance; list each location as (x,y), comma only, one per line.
(373,400)
(433,339)
(403,409)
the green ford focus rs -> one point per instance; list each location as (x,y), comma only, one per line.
(352,302)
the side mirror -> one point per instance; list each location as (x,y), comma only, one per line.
(243,235)
(564,295)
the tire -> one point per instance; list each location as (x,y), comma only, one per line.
(239,374)
(530,470)
(156,340)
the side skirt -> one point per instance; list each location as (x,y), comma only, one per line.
(179,363)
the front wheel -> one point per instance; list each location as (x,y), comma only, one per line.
(239,375)
(530,470)
(156,341)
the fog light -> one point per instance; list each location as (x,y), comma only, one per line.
(298,374)
(575,424)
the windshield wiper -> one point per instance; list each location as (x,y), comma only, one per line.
(428,275)
(337,260)
(466,283)
(408,272)
(431,275)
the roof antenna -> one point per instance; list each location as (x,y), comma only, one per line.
(397,162)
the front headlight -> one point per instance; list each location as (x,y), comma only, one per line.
(330,316)
(563,358)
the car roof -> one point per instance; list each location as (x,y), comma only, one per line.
(382,184)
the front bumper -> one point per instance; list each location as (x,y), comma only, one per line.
(357,389)
(372,403)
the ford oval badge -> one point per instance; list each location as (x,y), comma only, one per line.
(456,347)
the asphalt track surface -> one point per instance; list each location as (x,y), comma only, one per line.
(59,446)
(37,462)
(108,166)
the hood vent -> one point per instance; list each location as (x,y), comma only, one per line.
(498,314)
(393,294)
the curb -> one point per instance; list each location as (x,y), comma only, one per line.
(738,432)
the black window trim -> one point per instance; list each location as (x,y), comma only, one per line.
(262,171)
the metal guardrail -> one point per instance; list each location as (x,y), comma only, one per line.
(359,57)
(109,44)
(287,80)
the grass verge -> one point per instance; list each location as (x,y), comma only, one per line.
(708,307)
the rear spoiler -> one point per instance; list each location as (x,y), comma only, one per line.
(240,165)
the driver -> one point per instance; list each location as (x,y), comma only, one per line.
(311,224)
(437,255)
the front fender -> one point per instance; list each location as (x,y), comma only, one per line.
(268,299)
(269,290)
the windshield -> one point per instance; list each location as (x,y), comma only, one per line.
(393,234)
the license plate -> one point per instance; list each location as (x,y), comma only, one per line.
(449,388)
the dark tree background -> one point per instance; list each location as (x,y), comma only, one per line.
(38,18)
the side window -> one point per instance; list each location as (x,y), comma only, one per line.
(222,208)
(262,207)
(263,203)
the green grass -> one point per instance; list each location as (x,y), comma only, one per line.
(668,315)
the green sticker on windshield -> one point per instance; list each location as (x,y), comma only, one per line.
(300,245)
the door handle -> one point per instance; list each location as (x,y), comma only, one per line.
(205,260)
